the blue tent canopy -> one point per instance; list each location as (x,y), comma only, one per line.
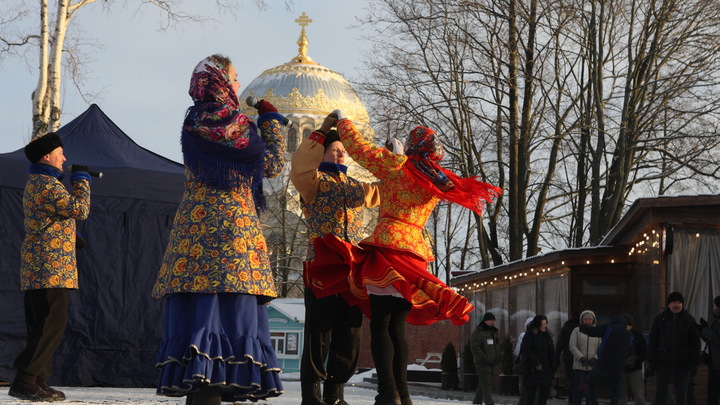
(114,326)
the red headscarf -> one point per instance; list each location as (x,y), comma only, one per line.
(424,151)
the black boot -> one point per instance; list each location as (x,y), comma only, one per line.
(387,395)
(311,394)
(25,386)
(206,395)
(404,393)
(56,395)
(333,394)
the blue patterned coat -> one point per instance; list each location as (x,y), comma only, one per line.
(48,250)
(216,243)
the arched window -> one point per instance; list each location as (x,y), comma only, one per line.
(292,140)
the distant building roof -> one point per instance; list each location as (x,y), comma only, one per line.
(293,308)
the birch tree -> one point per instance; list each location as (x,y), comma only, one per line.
(50,39)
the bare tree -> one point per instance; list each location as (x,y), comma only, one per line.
(573,107)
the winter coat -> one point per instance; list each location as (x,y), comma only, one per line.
(332,201)
(216,243)
(562,350)
(674,340)
(485,345)
(47,255)
(538,350)
(637,352)
(614,344)
(582,345)
(711,334)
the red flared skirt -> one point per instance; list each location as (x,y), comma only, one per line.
(342,268)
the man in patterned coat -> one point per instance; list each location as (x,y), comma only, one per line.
(332,203)
(48,268)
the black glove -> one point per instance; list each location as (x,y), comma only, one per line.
(79,168)
(592,362)
(79,242)
(583,361)
(649,369)
(703,324)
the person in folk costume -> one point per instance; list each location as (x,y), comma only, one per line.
(215,275)
(48,264)
(332,202)
(388,276)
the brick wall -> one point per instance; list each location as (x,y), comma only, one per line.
(421,340)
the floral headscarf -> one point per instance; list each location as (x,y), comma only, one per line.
(216,115)
(221,146)
(424,151)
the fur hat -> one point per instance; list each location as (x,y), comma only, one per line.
(675,296)
(39,147)
(330,137)
(488,317)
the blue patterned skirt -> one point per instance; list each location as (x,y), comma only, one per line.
(222,340)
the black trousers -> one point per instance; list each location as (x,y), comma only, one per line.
(333,330)
(389,343)
(46,314)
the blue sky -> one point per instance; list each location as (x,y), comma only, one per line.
(140,74)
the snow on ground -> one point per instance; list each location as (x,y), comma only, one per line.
(146,396)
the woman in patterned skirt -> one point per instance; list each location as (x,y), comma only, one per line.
(215,275)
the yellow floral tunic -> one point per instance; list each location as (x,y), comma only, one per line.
(405,206)
(48,250)
(216,243)
(331,201)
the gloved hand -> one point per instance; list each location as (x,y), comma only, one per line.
(703,324)
(538,367)
(79,173)
(82,168)
(583,361)
(339,114)
(265,107)
(649,369)
(328,123)
(592,362)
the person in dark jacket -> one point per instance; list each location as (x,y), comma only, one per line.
(562,351)
(610,367)
(485,346)
(633,365)
(710,333)
(673,349)
(539,353)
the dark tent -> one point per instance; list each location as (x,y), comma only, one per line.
(114,327)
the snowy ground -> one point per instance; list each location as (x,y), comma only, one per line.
(146,396)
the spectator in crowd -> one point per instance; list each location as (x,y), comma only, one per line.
(485,346)
(584,351)
(563,353)
(539,353)
(673,349)
(633,365)
(711,334)
(611,354)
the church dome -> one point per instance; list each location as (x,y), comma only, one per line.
(306,92)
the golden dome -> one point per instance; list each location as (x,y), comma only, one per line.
(305,91)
